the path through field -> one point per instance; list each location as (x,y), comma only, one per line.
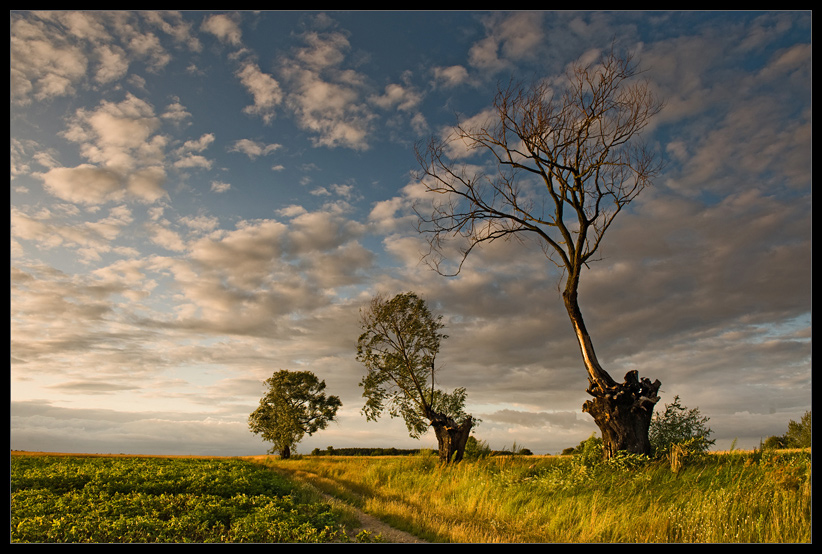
(377,527)
(367,522)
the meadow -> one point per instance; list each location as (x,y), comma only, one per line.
(735,497)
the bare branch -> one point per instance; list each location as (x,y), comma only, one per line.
(565,165)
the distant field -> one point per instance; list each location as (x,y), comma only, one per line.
(735,497)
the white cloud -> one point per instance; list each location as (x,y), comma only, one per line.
(193,161)
(398,97)
(176,112)
(449,77)
(112,64)
(263,88)
(43,65)
(148,47)
(169,239)
(224,27)
(325,98)
(84,184)
(220,187)
(510,38)
(118,135)
(252,148)
(199,144)
(322,50)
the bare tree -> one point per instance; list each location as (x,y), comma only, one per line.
(565,162)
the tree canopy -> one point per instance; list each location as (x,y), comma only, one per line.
(294,405)
(799,434)
(398,346)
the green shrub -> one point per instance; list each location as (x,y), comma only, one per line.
(678,425)
(589,452)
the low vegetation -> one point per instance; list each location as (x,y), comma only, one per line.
(80,499)
(762,496)
(743,497)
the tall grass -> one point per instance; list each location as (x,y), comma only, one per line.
(735,497)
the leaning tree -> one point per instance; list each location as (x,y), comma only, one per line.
(399,346)
(564,162)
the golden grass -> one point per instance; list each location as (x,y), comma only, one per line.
(549,500)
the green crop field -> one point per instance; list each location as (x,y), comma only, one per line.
(108,499)
(736,497)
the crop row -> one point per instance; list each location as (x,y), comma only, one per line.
(123,499)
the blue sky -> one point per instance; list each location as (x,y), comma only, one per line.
(199,199)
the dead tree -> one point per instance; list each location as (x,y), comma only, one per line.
(564,161)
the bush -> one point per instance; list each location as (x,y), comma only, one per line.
(589,451)
(678,425)
(476,449)
(773,443)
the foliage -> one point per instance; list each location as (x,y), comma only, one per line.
(293,406)
(679,425)
(476,449)
(589,451)
(773,442)
(398,346)
(799,434)
(165,500)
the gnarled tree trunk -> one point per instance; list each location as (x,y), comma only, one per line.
(451,436)
(622,411)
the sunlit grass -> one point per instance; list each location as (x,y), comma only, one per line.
(734,497)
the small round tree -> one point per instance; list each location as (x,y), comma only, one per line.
(295,405)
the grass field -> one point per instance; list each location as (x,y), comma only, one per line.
(735,497)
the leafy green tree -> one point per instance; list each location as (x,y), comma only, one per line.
(295,405)
(679,425)
(799,434)
(398,346)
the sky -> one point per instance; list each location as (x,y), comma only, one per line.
(200,199)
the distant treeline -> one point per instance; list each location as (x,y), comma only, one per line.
(331,451)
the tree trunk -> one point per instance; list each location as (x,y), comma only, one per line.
(451,437)
(622,411)
(285,452)
(623,414)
